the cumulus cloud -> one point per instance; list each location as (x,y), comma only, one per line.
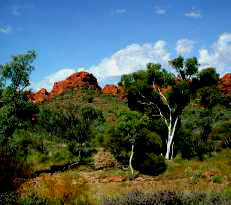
(130,59)
(159,10)
(184,46)
(193,13)
(5,29)
(219,54)
(49,80)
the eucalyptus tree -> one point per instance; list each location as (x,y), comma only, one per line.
(163,94)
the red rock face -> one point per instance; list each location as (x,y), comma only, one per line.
(41,95)
(111,90)
(225,84)
(38,97)
(79,79)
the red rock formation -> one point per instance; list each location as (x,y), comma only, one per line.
(41,95)
(225,84)
(79,79)
(38,97)
(111,90)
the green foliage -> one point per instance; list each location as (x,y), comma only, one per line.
(193,137)
(16,73)
(208,77)
(131,129)
(156,74)
(217,179)
(16,112)
(32,199)
(72,126)
(209,97)
(145,94)
(221,132)
(186,69)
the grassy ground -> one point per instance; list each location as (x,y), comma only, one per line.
(89,185)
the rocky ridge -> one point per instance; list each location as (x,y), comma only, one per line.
(87,80)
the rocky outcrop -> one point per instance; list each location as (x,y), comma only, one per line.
(111,90)
(76,80)
(225,84)
(38,97)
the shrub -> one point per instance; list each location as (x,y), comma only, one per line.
(149,163)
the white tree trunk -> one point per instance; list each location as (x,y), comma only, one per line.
(167,118)
(130,160)
(171,132)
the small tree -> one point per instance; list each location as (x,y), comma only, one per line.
(132,143)
(129,124)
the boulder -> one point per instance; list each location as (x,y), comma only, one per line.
(111,90)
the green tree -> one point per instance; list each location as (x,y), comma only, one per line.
(208,77)
(15,110)
(71,124)
(148,96)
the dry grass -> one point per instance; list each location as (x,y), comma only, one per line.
(181,175)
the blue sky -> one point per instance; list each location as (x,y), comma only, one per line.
(113,37)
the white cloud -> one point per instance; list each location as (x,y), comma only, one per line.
(160,11)
(219,54)
(5,29)
(193,13)
(49,81)
(130,59)
(184,46)
(120,11)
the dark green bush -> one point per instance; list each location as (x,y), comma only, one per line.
(149,163)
